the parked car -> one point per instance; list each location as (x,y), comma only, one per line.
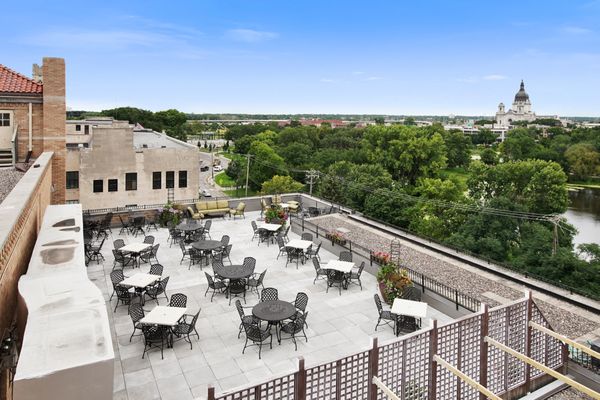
(217,168)
(204,168)
(206,193)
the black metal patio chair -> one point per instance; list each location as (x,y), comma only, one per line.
(354,277)
(248,319)
(186,327)
(257,336)
(345,256)
(178,300)
(385,316)
(294,327)
(215,285)
(335,278)
(136,312)
(269,294)
(154,291)
(320,272)
(255,282)
(156,336)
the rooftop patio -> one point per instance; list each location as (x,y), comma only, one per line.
(338,325)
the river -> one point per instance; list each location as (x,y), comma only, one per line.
(584,214)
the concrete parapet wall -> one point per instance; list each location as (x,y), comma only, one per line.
(67,349)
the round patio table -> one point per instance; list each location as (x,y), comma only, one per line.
(236,275)
(187,227)
(274,311)
(207,245)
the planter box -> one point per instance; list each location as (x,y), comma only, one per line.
(335,239)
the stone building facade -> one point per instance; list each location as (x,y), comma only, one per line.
(35,108)
(114,164)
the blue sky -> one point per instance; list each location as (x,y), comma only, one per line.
(380,57)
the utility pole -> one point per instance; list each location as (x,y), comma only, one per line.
(311,176)
(247,172)
(212,165)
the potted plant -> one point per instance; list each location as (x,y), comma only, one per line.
(381,257)
(336,237)
(275,215)
(171,213)
(392,281)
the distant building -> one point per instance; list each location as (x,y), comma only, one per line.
(32,118)
(520,111)
(114,164)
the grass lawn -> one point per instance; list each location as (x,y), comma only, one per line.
(224,180)
(459,174)
(241,192)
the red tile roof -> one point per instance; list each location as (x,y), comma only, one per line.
(13,82)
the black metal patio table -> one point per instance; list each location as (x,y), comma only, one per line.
(274,311)
(207,246)
(188,229)
(236,275)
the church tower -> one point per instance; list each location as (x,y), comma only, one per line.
(522,104)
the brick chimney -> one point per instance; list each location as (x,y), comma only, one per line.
(54,122)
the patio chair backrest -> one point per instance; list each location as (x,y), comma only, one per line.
(269,294)
(119,257)
(360,268)
(217,264)
(154,333)
(162,285)
(156,269)
(318,248)
(136,312)
(101,244)
(207,225)
(240,309)
(254,226)
(301,301)
(183,249)
(211,281)
(225,240)
(280,242)
(299,322)
(194,320)
(178,300)
(117,244)
(316,264)
(252,332)
(117,276)
(249,262)
(149,239)
(287,230)
(261,277)
(123,224)
(346,256)
(411,293)
(155,249)
(378,303)
(307,236)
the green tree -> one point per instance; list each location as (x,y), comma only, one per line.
(409,121)
(583,160)
(519,145)
(281,184)
(485,137)
(408,153)
(539,186)
(265,164)
(379,120)
(458,149)
(489,156)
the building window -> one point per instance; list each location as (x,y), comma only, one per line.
(4,119)
(156,180)
(72,179)
(182,179)
(131,181)
(113,185)
(77,128)
(98,185)
(170,184)
(87,129)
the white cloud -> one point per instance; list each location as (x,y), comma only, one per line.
(327,80)
(576,30)
(250,35)
(358,73)
(494,77)
(374,78)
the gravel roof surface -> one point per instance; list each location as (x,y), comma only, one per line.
(451,274)
(8,179)
(570,394)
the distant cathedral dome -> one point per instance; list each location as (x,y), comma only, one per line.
(521,95)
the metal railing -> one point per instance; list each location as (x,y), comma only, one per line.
(454,295)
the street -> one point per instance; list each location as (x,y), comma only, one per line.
(206,177)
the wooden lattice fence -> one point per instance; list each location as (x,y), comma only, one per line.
(406,365)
